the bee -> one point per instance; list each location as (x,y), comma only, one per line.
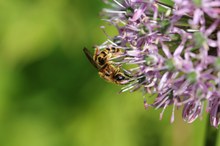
(106,69)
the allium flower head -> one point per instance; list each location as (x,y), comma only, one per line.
(172,51)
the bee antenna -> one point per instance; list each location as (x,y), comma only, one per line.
(84,48)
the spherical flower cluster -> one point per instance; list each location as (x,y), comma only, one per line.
(171,50)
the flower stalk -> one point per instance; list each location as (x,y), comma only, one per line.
(211,135)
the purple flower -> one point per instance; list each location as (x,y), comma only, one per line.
(170,51)
(214,109)
(191,111)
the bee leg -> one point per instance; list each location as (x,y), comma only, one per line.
(126,72)
(96,54)
(102,75)
(105,77)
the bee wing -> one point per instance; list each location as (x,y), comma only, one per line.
(90,58)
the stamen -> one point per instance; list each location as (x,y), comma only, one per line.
(184,102)
(172,116)
(133,69)
(112,42)
(126,89)
(117,57)
(161,114)
(161,103)
(137,62)
(119,3)
(132,84)
(164,5)
(114,11)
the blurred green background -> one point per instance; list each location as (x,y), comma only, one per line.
(50,95)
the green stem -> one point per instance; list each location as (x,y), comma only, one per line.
(211,135)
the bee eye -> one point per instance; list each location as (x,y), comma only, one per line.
(101,61)
(119,77)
